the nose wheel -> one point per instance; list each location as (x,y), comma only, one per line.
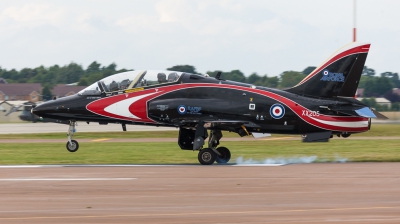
(72,145)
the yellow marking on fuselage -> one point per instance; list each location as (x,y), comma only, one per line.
(134,90)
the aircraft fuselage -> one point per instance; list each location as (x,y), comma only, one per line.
(196,98)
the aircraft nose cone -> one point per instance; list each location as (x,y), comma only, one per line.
(38,110)
(33,110)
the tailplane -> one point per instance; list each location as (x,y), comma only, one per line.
(339,75)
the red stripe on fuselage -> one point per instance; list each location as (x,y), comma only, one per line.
(139,107)
(356,50)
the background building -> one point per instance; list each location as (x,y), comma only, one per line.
(62,90)
(20,91)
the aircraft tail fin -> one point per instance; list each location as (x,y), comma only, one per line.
(339,75)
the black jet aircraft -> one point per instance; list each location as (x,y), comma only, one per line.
(320,106)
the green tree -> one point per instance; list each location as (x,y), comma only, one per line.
(383,85)
(83,82)
(234,75)
(308,70)
(371,102)
(377,86)
(265,81)
(70,73)
(112,67)
(369,88)
(46,93)
(93,67)
(291,78)
(55,74)
(26,74)
(363,81)
(395,106)
(272,82)
(368,71)
(393,77)
(379,107)
(253,78)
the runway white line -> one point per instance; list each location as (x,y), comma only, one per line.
(21,166)
(63,179)
(259,164)
(128,165)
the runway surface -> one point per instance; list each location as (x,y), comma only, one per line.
(21,128)
(306,193)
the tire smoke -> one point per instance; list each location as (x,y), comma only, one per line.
(290,160)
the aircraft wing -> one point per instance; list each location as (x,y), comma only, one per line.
(226,121)
(232,122)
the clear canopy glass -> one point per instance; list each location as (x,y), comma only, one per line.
(131,79)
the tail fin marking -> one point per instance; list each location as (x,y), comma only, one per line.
(337,76)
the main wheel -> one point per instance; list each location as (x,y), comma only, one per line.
(346,135)
(225,155)
(73,147)
(207,156)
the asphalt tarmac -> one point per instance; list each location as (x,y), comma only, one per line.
(22,128)
(302,193)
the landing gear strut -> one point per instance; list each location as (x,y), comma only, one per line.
(72,145)
(208,156)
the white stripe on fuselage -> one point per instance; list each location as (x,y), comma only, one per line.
(344,124)
(121,108)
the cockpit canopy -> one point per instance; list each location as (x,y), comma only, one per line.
(129,80)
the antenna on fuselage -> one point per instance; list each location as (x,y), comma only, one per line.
(218,75)
(354,22)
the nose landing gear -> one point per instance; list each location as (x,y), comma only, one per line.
(72,145)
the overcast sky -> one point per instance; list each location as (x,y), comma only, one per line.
(267,37)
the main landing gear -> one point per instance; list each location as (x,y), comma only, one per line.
(208,156)
(72,145)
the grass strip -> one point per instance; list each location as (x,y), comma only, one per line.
(376,130)
(169,153)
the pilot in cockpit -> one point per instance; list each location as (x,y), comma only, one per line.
(114,86)
(172,77)
(161,77)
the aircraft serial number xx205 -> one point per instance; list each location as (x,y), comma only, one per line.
(320,106)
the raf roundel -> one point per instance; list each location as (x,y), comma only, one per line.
(182,109)
(277,111)
(325,72)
